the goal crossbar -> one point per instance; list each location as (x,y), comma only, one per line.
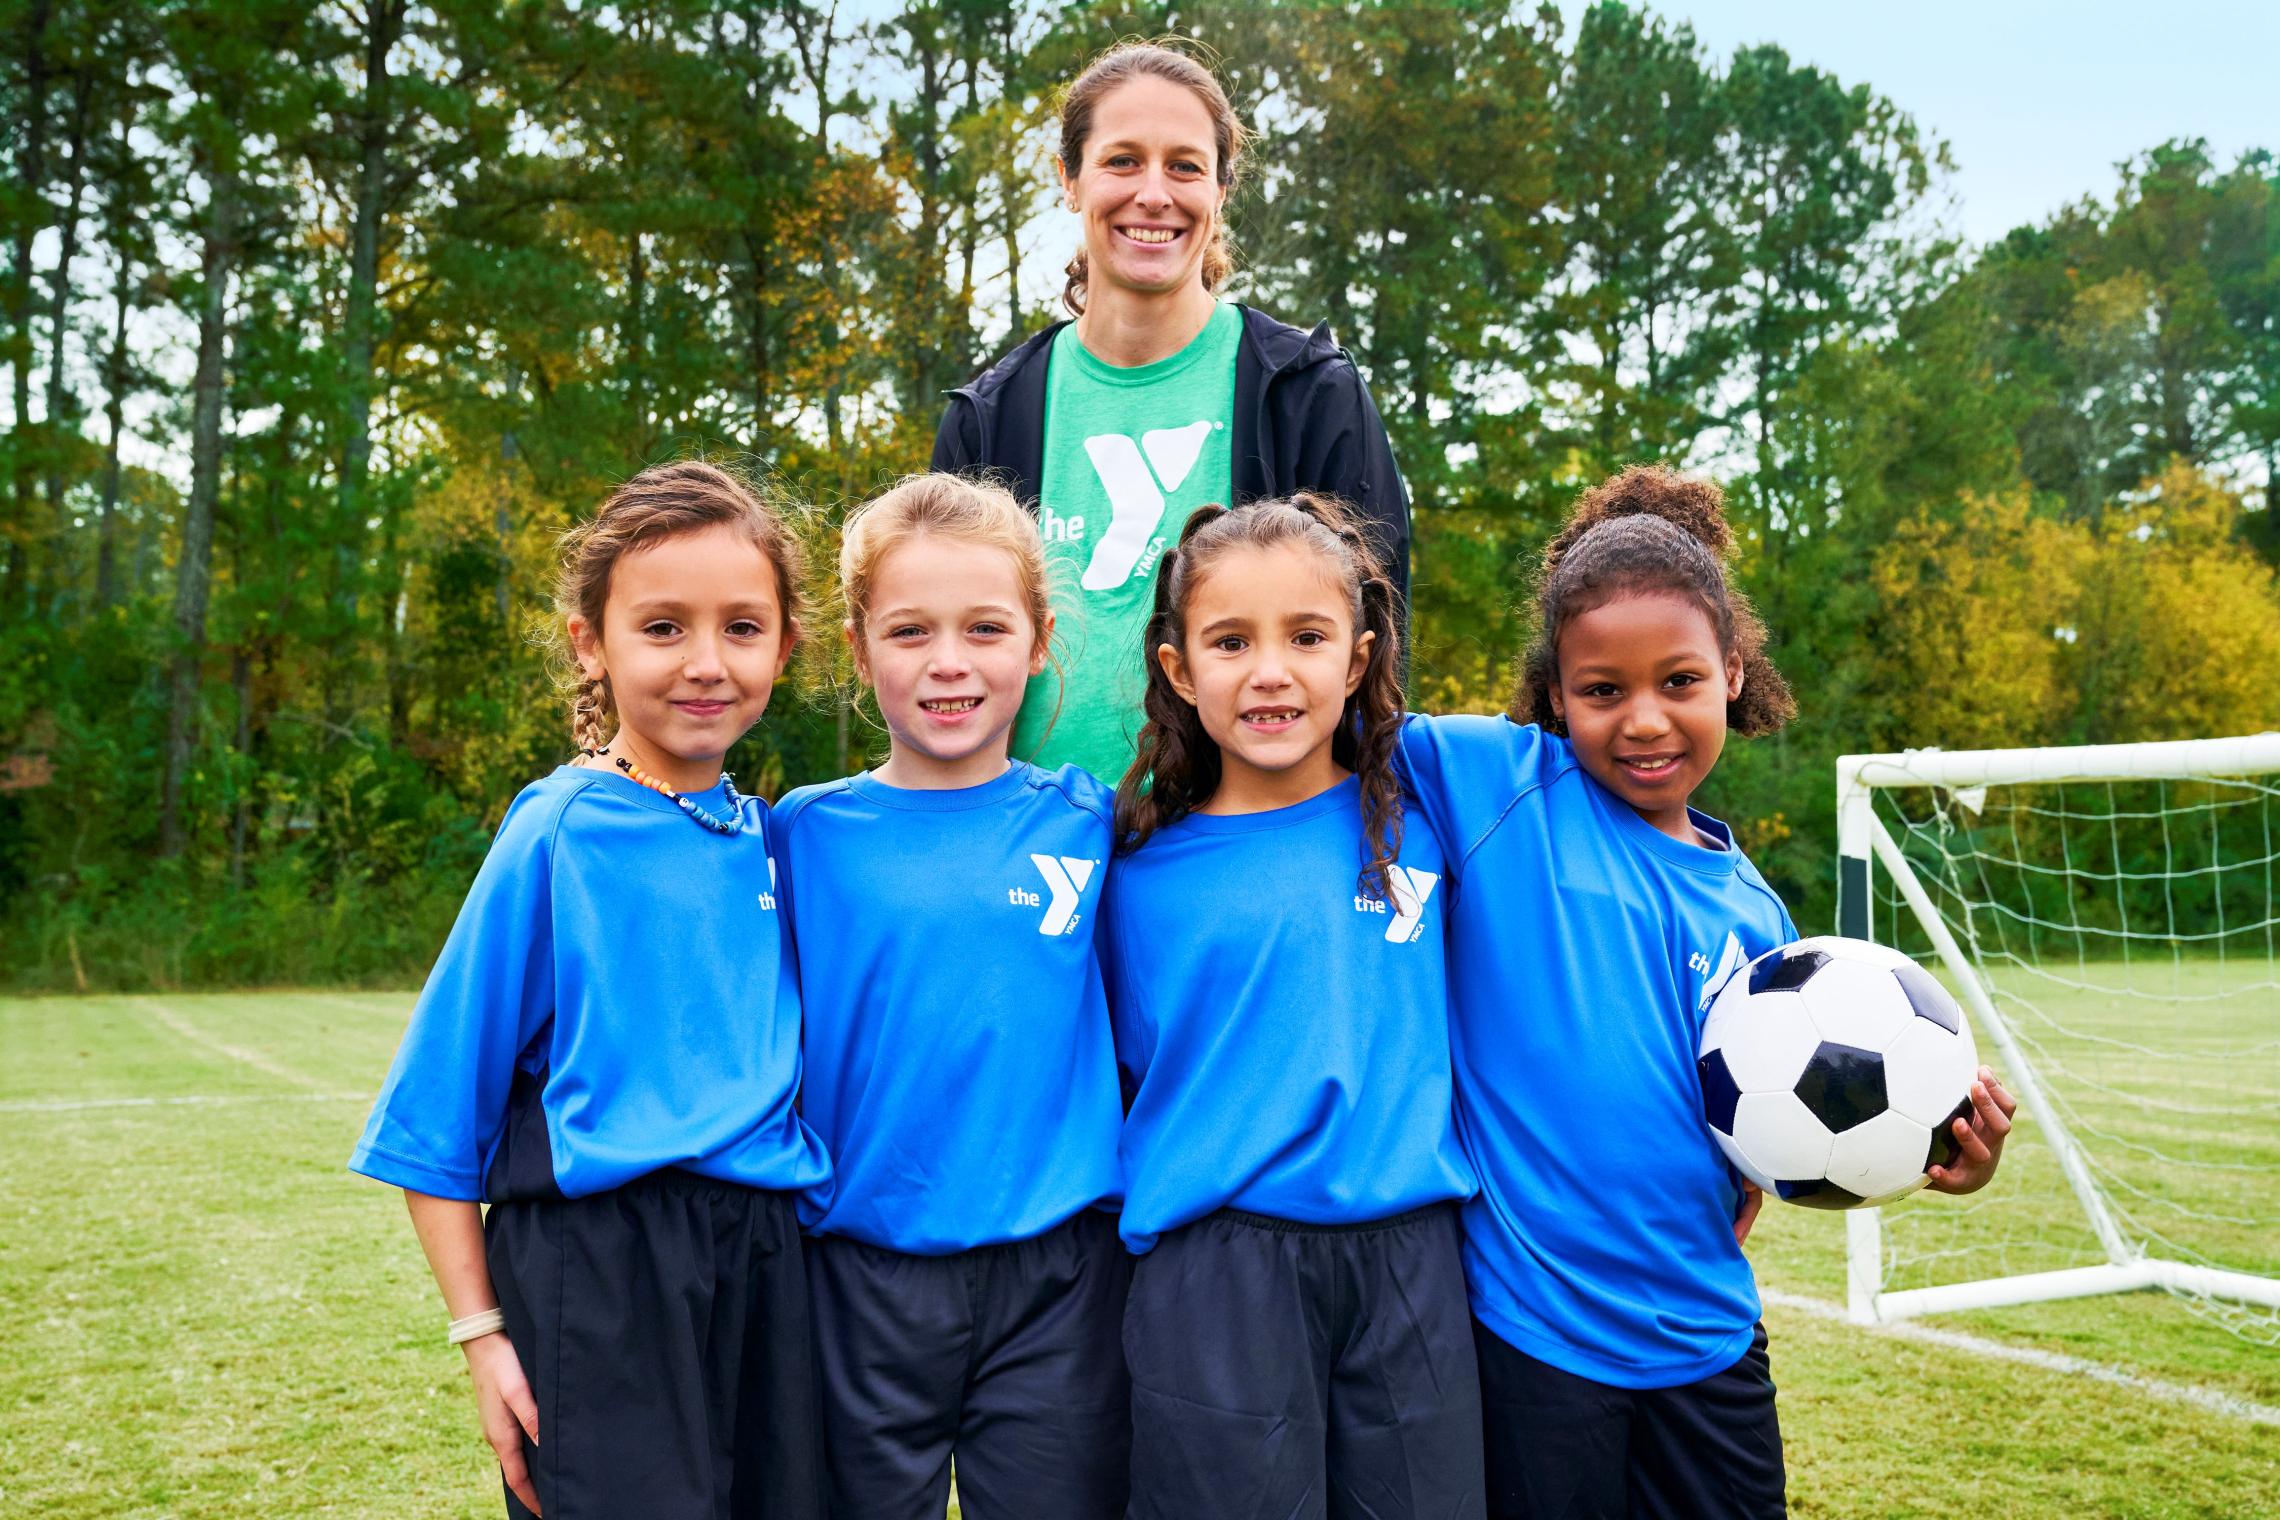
(1864,843)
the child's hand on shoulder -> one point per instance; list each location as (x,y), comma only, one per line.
(1979,1139)
(508,1412)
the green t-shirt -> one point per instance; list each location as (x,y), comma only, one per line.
(1129,453)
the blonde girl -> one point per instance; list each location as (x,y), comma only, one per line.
(968,1281)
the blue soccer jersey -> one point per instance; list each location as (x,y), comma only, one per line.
(1286,1034)
(959,1064)
(1583,944)
(629,970)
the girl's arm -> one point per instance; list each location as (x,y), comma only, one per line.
(451,1233)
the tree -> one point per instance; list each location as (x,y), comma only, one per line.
(236,58)
(1647,292)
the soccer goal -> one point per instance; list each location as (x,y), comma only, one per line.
(2107,915)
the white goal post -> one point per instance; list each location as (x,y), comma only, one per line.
(1950,791)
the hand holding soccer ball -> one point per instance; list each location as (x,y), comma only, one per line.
(1834,1072)
(1979,1140)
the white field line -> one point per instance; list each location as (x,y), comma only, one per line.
(2213,1400)
(74,1105)
(358,1005)
(188,1031)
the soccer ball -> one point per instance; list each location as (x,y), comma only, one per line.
(1831,1069)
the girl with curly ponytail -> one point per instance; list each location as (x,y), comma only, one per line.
(1297,1324)
(1596,912)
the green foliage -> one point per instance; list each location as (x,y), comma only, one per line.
(468,265)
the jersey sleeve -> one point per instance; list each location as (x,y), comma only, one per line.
(440,1111)
(1465,770)
(783,864)
(1129,1024)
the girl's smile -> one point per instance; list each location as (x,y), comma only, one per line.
(692,639)
(1270,658)
(948,647)
(1642,689)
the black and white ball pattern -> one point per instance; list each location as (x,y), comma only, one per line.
(1830,1069)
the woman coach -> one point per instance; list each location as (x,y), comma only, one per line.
(1158,398)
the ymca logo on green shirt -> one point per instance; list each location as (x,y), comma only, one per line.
(1129,453)
(1139,478)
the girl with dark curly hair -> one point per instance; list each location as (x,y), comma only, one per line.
(1296,1330)
(1593,914)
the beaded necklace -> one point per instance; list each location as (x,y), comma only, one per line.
(732,825)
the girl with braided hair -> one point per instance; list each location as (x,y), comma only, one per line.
(608,1054)
(1296,1328)
(1594,912)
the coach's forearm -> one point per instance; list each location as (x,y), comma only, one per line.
(451,1233)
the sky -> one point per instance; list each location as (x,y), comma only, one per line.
(2037,100)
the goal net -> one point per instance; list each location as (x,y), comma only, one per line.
(2107,916)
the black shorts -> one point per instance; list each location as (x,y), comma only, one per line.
(1296,1372)
(1562,1447)
(1005,1357)
(664,1329)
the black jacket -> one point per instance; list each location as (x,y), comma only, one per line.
(1303,422)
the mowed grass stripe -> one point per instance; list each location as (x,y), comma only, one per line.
(210,1317)
(2213,1400)
(64,1048)
(178,1023)
(214,1318)
(187,1100)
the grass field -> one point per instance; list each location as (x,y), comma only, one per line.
(205,1315)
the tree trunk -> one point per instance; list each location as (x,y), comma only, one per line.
(114,412)
(814,50)
(31,163)
(926,297)
(756,340)
(384,25)
(1012,261)
(756,254)
(635,342)
(503,523)
(82,88)
(970,231)
(194,575)
(1009,188)
(241,809)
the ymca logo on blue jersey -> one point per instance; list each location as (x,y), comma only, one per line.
(1730,960)
(1065,878)
(1139,476)
(1409,889)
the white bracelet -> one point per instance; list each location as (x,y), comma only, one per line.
(484,1322)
